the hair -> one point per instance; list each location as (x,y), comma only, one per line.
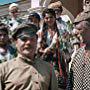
(52,12)
(4,27)
(48,11)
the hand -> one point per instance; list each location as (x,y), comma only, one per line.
(46,50)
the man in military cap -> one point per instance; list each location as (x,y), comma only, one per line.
(25,72)
(79,77)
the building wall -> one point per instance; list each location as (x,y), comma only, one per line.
(24,5)
(74,6)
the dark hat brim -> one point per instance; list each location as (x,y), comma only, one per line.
(29,28)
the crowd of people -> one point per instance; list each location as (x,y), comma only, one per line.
(43,52)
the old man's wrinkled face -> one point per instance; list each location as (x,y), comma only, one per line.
(26,45)
(84,28)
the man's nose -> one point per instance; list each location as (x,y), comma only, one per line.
(49,19)
(28,41)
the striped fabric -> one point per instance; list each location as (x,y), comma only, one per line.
(79,76)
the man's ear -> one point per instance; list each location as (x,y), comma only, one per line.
(15,40)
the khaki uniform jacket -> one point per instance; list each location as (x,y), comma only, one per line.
(22,74)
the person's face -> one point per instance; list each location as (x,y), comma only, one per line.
(49,19)
(84,31)
(3,38)
(14,11)
(26,45)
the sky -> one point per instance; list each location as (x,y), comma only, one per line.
(2,2)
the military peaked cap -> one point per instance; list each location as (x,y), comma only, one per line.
(28,28)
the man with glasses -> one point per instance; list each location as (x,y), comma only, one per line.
(25,72)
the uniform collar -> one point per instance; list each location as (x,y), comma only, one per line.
(25,59)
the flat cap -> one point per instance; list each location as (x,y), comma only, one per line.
(82,17)
(30,29)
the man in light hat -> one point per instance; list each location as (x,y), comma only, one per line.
(15,16)
(79,77)
(25,72)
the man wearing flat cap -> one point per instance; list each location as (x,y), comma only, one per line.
(79,77)
(25,72)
